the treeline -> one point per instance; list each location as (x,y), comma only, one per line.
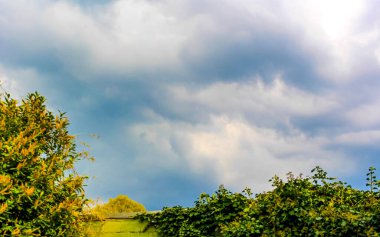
(315,205)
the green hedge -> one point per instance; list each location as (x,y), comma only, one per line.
(315,205)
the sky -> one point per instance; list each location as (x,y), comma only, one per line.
(184,96)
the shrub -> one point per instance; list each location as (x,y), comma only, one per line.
(121,205)
(204,219)
(298,206)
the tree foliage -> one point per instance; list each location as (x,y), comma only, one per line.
(298,206)
(40,192)
(120,206)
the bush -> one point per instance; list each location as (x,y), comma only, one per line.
(298,206)
(204,219)
(119,206)
(40,192)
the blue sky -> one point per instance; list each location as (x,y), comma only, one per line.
(188,95)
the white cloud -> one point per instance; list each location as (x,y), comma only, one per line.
(334,33)
(18,82)
(272,102)
(366,137)
(122,36)
(365,115)
(336,21)
(235,152)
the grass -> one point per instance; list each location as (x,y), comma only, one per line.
(120,228)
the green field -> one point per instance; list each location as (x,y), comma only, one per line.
(120,228)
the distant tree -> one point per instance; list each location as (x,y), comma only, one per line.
(40,192)
(122,204)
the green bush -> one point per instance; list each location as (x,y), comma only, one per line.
(40,192)
(205,219)
(298,206)
(119,206)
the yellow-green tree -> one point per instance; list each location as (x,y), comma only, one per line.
(122,204)
(40,192)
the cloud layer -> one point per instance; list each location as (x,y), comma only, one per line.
(187,95)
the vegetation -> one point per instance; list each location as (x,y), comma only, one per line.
(42,195)
(298,206)
(122,210)
(122,205)
(40,192)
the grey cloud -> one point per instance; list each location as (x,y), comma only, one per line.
(219,41)
(257,52)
